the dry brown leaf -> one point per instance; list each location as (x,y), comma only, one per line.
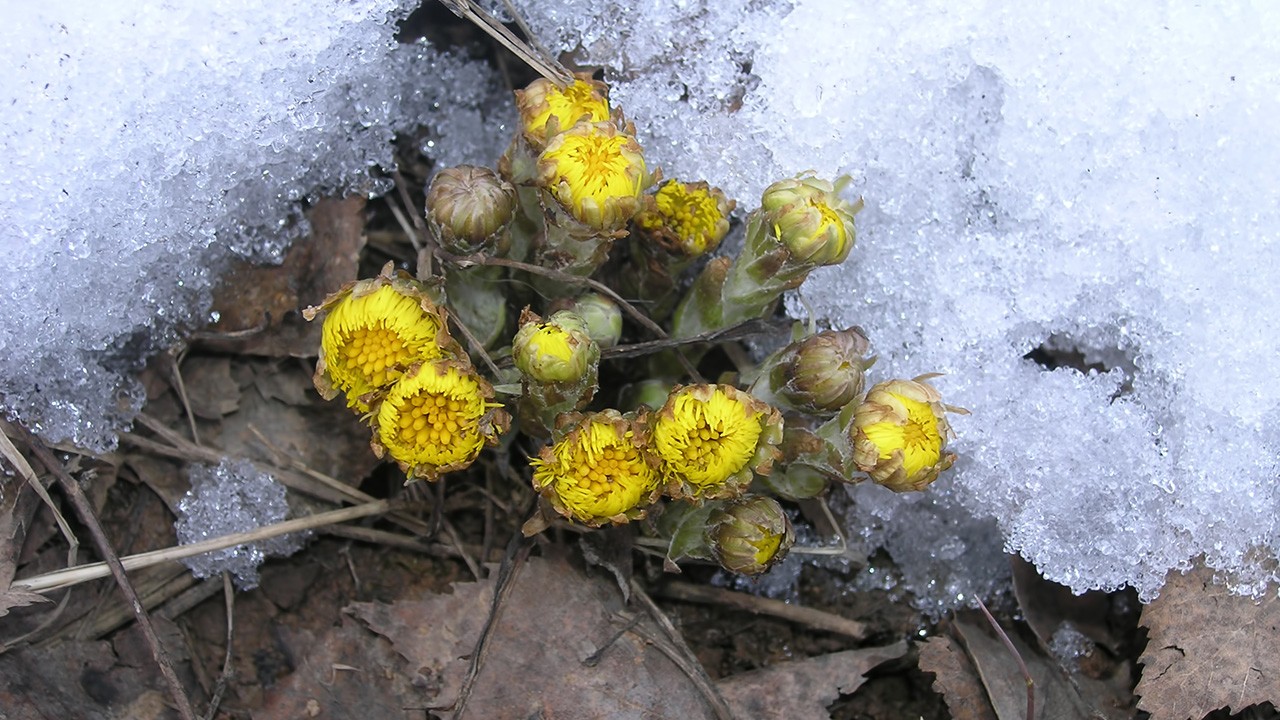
(1046,605)
(1058,697)
(76,679)
(554,619)
(1208,649)
(264,303)
(211,391)
(955,679)
(17,507)
(802,689)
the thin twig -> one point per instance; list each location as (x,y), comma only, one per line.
(403,188)
(517,552)
(404,223)
(180,385)
(1008,644)
(596,285)
(229,594)
(593,659)
(473,343)
(92,571)
(85,511)
(809,617)
(684,658)
(545,66)
(452,534)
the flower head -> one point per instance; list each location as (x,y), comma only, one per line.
(711,438)
(599,470)
(437,418)
(687,219)
(597,173)
(750,535)
(558,350)
(546,108)
(823,372)
(469,206)
(810,218)
(899,434)
(375,329)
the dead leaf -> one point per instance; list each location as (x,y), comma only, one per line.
(1058,697)
(553,620)
(1046,605)
(17,508)
(263,304)
(802,689)
(76,679)
(1207,649)
(211,391)
(955,679)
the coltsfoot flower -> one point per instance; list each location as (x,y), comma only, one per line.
(559,350)
(547,109)
(686,219)
(375,329)
(437,418)
(597,173)
(600,469)
(823,372)
(711,438)
(900,432)
(468,207)
(808,216)
(750,535)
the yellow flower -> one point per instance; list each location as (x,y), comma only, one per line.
(687,219)
(810,218)
(546,108)
(900,434)
(711,438)
(600,470)
(375,329)
(437,418)
(597,173)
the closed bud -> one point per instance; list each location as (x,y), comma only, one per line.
(469,207)
(750,535)
(899,434)
(824,372)
(808,216)
(559,350)
(602,316)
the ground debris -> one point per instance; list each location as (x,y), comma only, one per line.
(1208,649)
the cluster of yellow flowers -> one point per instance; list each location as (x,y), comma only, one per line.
(385,346)
(573,182)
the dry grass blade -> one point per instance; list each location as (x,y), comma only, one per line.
(806,616)
(83,573)
(539,61)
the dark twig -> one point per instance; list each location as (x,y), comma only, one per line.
(218,690)
(85,510)
(594,658)
(565,277)
(517,552)
(1008,644)
(681,654)
(809,617)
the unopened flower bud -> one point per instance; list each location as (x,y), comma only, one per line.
(823,372)
(559,350)
(602,316)
(900,432)
(547,109)
(750,535)
(810,218)
(468,207)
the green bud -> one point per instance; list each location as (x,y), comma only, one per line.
(559,350)
(808,216)
(823,372)
(603,318)
(468,207)
(750,535)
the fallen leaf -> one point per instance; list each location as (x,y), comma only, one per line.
(1046,605)
(802,689)
(75,679)
(17,509)
(1207,649)
(553,620)
(211,391)
(258,308)
(1057,696)
(955,679)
